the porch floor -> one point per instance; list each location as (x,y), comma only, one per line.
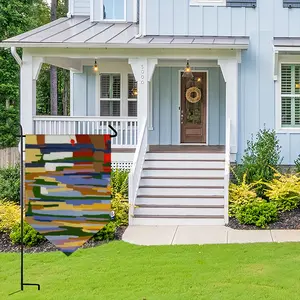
(187,148)
(197,235)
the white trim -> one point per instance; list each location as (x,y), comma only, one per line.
(92,10)
(71,9)
(123,45)
(135,6)
(207,105)
(143,16)
(279,128)
(207,2)
(112,20)
(125,53)
(71,93)
(150,113)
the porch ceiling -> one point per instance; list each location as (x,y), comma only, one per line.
(80,32)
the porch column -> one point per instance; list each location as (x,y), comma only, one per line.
(229,69)
(143,69)
(29,73)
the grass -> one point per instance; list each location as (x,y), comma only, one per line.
(120,271)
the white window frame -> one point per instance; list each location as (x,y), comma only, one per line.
(113,20)
(208,2)
(110,99)
(279,128)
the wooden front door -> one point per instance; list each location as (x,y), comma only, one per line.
(193,111)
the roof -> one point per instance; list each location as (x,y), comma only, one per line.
(81,32)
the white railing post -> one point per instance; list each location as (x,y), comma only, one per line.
(227,170)
(137,168)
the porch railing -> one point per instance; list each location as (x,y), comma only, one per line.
(126,127)
(227,171)
(137,168)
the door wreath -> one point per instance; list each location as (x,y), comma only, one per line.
(193,94)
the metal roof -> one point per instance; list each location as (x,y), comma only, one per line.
(81,32)
(286,41)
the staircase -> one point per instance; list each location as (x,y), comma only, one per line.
(181,188)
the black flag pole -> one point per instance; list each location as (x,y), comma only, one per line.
(21,136)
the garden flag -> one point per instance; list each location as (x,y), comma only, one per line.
(67,186)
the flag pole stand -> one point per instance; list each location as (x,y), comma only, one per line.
(21,136)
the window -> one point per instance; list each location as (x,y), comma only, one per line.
(290,95)
(114,9)
(231,3)
(208,2)
(110,95)
(132,96)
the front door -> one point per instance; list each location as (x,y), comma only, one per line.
(193,108)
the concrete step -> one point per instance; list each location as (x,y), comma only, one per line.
(166,172)
(176,221)
(181,191)
(180,211)
(184,164)
(167,201)
(188,181)
(185,156)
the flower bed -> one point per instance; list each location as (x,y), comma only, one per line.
(260,196)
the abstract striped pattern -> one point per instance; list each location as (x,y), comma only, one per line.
(67,186)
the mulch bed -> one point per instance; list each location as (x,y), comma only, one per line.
(287,220)
(7,246)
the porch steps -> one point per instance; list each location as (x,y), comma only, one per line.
(181,189)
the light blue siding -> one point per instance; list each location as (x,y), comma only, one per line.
(166,103)
(84,93)
(257,89)
(81,7)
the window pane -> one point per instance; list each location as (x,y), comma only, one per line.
(297,111)
(131,86)
(116,83)
(297,79)
(104,85)
(132,108)
(286,79)
(286,111)
(109,108)
(110,86)
(113,9)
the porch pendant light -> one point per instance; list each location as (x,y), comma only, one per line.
(96,66)
(188,71)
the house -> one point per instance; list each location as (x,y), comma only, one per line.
(184,82)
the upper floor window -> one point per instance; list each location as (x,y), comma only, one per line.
(208,2)
(114,9)
(290,95)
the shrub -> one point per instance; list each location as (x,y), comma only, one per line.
(120,206)
(31,236)
(119,182)
(259,213)
(297,164)
(10,184)
(284,191)
(9,216)
(259,158)
(241,194)
(107,233)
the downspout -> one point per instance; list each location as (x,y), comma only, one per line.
(141,16)
(16,56)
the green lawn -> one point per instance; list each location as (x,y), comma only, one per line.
(119,271)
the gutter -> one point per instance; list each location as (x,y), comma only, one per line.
(16,56)
(140,34)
